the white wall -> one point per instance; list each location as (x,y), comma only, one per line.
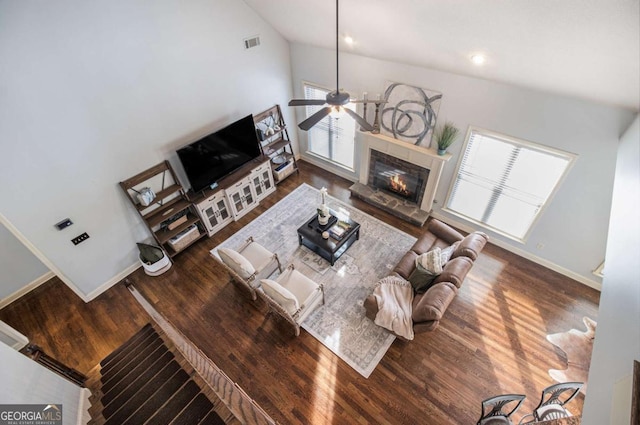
(18,266)
(573,229)
(617,341)
(26,382)
(95,92)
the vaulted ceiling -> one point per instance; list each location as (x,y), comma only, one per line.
(584,48)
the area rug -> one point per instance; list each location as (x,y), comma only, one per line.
(340,324)
(577,346)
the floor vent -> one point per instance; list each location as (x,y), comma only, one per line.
(251,42)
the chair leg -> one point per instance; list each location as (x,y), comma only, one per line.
(278,261)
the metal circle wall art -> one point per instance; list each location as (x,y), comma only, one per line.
(410,113)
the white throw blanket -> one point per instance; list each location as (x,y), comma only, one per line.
(394,296)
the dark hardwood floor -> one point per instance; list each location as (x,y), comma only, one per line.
(491,340)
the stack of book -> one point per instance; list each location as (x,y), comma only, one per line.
(339,229)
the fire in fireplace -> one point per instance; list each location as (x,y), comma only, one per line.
(397,182)
(398,185)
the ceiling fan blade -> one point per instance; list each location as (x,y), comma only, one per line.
(363,123)
(307,102)
(315,118)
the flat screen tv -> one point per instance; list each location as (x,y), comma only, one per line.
(207,160)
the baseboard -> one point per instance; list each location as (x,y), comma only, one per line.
(26,289)
(83,407)
(524,254)
(108,284)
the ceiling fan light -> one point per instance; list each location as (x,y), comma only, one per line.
(478,59)
(337,111)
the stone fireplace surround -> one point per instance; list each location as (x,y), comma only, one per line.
(420,156)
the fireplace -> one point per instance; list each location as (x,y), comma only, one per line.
(397,177)
(387,161)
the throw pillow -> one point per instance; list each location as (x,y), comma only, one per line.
(280,295)
(431,260)
(236,262)
(428,267)
(445,253)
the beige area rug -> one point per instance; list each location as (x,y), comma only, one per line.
(340,324)
(577,346)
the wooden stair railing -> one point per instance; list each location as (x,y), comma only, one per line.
(243,407)
(38,355)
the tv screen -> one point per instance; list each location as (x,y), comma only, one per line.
(214,156)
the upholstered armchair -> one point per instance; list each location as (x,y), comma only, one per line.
(249,264)
(292,295)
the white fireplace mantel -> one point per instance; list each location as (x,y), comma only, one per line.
(424,157)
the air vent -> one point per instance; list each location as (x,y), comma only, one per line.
(251,42)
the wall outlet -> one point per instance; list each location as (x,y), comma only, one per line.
(80,238)
(540,245)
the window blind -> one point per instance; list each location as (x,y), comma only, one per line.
(505,183)
(331,138)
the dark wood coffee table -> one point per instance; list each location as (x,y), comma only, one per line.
(310,235)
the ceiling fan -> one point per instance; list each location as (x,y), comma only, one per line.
(335,100)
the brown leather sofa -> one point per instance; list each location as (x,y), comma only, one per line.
(429,307)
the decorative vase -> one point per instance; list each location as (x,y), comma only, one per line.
(323,215)
(441,151)
(323,209)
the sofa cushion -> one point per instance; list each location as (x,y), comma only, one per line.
(236,262)
(281,295)
(406,265)
(433,304)
(455,271)
(471,245)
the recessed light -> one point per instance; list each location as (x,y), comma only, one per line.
(478,59)
(348,40)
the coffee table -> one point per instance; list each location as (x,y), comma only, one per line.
(310,235)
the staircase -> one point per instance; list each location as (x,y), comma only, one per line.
(147,381)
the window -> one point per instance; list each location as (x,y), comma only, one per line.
(505,183)
(333,137)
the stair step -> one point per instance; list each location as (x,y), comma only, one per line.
(194,412)
(212,419)
(127,355)
(135,367)
(134,396)
(114,375)
(178,402)
(143,382)
(124,347)
(133,383)
(158,399)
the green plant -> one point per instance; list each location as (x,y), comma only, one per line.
(447,135)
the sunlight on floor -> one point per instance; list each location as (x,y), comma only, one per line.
(505,320)
(324,389)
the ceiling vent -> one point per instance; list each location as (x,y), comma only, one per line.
(251,42)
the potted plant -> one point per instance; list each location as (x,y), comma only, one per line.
(446,136)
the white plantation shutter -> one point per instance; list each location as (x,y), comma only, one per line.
(332,138)
(504,183)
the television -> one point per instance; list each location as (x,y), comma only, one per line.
(218,154)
